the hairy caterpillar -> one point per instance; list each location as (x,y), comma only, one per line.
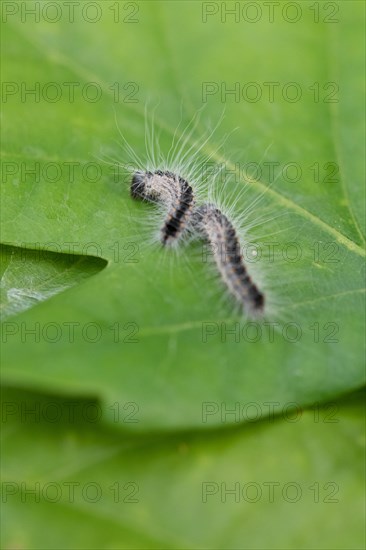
(197,197)
(209,222)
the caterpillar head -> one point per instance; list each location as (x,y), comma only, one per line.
(150,186)
(138,185)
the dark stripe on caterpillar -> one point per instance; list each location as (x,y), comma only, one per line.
(170,190)
(220,233)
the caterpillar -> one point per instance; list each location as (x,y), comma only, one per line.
(173,192)
(184,189)
(218,230)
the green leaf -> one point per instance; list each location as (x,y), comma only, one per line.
(136,331)
(298,480)
(31,276)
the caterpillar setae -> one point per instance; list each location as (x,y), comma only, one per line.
(184,190)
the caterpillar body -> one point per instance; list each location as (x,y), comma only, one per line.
(220,233)
(173,192)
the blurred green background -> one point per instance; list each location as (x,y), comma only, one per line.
(130,410)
